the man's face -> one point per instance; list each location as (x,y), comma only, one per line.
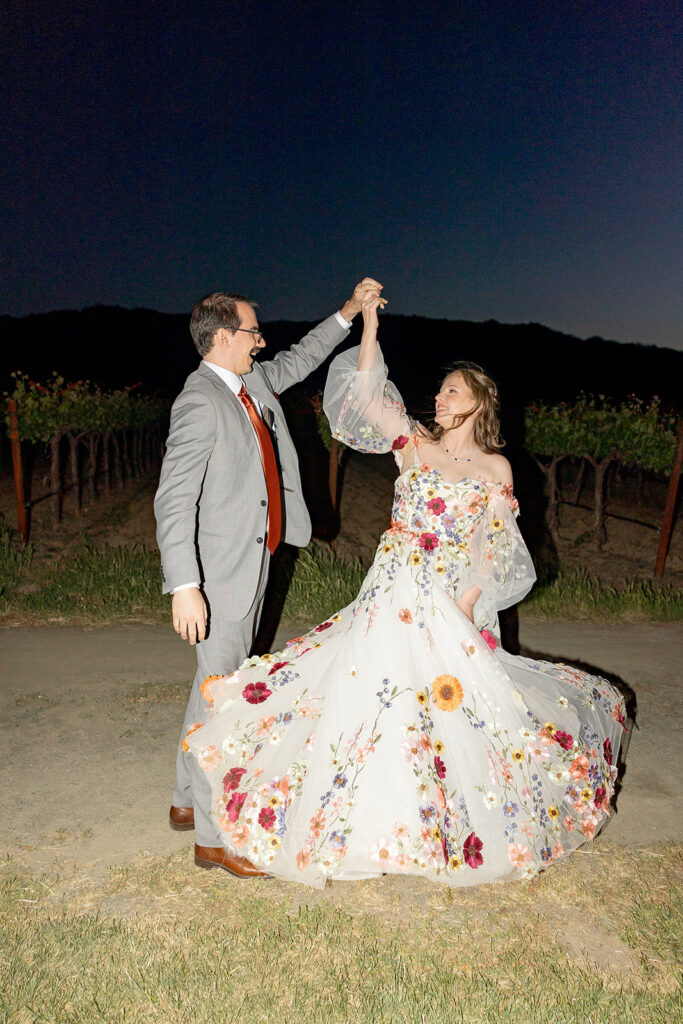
(243,346)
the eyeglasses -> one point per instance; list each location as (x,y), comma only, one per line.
(258,335)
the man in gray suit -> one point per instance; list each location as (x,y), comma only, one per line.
(229,491)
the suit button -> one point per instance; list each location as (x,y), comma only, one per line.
(259,540)
(263,502)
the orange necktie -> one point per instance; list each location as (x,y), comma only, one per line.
(269,470)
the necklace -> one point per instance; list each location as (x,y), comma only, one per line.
(456,458)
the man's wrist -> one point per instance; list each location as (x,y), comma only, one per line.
(350,309)
(185,586)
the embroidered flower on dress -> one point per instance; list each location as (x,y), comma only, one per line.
(278,665)
(489,639)
(231,779)
(437,506)
(471,851)
(256,693)
(447,693)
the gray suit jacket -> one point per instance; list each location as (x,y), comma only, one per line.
(211,505)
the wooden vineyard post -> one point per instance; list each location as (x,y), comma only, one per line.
(334,471)
(669,508)
(17,468)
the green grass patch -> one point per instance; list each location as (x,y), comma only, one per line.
(577,595)
(107,583)
(321,585)
(98,584)
(163,942)
(15,561)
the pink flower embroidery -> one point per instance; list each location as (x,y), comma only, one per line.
(489,639)
(429,541)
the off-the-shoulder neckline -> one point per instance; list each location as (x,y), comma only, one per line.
(454,483)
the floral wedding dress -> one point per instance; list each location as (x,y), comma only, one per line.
(398,737)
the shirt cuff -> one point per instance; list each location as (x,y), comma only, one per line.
(342,322)
(184,586)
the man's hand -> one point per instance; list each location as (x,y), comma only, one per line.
(366,288)
(189,614)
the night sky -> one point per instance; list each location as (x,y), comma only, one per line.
(510,160)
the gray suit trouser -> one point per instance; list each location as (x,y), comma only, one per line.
(224,649)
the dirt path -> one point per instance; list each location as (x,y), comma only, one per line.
(92,720)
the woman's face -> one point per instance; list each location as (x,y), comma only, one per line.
(453,399)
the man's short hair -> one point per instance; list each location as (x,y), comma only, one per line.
(210,314)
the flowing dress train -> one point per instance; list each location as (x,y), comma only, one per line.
(397,736)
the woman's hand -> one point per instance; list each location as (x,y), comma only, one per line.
(468,600)
(369,308)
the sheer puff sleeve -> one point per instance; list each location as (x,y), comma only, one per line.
(499,561)
(365,410)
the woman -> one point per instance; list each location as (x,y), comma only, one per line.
(398,736)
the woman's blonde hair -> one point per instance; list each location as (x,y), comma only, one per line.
(485,393)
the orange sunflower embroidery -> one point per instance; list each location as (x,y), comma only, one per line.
(447,693)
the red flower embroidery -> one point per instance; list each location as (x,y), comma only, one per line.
(600,794)
(607,751)
(233,808)
(436,506)
(400,442)
(267,818)
(429,541)
(231,779)
(322,626)
(471,851)
(440,767)
(565,740)
(278,665)
(256,693)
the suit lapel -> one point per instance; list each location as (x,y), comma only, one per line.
(254,384)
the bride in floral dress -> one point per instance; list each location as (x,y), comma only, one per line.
(398,736)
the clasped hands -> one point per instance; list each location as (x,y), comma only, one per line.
(366,298)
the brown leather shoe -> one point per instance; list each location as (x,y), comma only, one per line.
(181,819)
(219,857)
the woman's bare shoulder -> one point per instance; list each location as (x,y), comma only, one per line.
(497,468)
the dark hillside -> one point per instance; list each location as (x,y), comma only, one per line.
(116,347)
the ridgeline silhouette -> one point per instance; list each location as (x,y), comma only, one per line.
(116,347)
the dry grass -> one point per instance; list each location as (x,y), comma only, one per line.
(596,939)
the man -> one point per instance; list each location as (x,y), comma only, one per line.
(229,492)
